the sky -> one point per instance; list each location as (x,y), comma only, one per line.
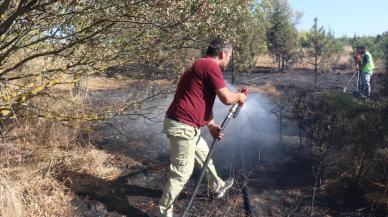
(344,17)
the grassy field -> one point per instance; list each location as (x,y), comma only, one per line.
(81,168)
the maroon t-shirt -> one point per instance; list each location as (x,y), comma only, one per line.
(194,98)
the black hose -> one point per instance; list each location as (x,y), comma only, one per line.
(247,201)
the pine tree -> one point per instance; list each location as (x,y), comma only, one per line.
(281,32)
(252,33)
(318,47)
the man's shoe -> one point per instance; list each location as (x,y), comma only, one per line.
(228,184)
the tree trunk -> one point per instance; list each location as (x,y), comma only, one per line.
(280,126)
(360,170)
(233,75)
(322,170)
(80,89)
(316,69)
(315,188)
(300,138)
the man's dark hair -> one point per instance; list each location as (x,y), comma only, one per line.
(217,46)
(362,47)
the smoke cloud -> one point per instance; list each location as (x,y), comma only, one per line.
(246,138)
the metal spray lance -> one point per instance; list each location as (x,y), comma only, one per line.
(233,113)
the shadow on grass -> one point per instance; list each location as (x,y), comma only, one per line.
(113,194)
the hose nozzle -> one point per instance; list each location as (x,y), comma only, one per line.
(238,106)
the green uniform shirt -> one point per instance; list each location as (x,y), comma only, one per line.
(367,63)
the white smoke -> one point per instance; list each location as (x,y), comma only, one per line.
(246,137)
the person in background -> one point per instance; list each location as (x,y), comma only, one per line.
(367,67)
(357,61)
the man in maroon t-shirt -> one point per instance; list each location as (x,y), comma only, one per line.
(191,109)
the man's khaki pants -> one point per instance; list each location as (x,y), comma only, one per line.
(187,147)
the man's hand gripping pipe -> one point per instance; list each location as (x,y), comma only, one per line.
(233,112)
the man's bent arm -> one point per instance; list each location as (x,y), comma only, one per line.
(364,61)
(229,97)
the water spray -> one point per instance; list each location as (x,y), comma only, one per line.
(233,113)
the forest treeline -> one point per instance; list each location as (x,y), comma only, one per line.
(44,43)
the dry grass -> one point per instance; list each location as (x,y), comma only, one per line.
(265,61)
(268,89)
(27,185)
(94,162)
(102,83)
(344,58)
(32,155)
(33,195)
